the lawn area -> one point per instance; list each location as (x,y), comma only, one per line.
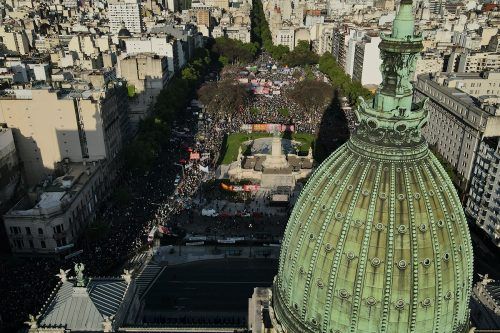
(233,142)
(307,141)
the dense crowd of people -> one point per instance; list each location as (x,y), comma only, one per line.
(156,197)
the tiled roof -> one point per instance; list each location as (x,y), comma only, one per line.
(84,308)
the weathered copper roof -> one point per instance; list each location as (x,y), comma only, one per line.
(378,241)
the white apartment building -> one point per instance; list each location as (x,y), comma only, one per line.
(483,205)
(241,33)
(474,84)
(148,74)
(161,46)
(81,125)
(477,62)
(366,68)
(428,63)
(357,36)
(456,125)
(125,13)
(286,37)
(15,41)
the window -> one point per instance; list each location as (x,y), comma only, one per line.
(31,244)
(40,231)
(28,231)
(42,244)
(15,230)
(58,229)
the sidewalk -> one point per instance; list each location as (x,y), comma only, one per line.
(175,255)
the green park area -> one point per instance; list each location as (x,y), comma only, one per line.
(234,141)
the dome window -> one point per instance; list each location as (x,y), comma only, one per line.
(402,264)
(426,302)
(320,284)
(399,305)
(401,197)
(343,294)
(446,256)
(324,207)
(426,262)
(379,227)
(350,256)
(372,124)
(402,229)
(350,188)
(328,247)
(365,192)
(382,196)
(423,228)
(440,223)
(311,236)
(401,128)
(358,223)
(370,301)
(448,296)
(417,196)
(338,215)
(376,262)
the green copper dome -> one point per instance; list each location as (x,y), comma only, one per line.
(378,241)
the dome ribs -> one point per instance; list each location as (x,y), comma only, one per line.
(302,202)
(431,174)
(326,221)
(390,252)
(437,251)
(339,250)
(305,230)
(466,245)
(364,250)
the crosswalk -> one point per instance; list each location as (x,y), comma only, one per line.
(147,276)
(138,259)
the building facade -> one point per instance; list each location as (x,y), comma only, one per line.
(125,14)
(483,204)
(366,67)
(82,125)
(146,75)
(50,218)
(456,126)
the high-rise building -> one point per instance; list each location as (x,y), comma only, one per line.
(366,68)
(457,124)
(483,205)
(124,14)
(80,124)
(378,241)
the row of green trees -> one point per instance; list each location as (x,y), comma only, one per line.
(154,131)
(340,80)
(234,51)
(261,33)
